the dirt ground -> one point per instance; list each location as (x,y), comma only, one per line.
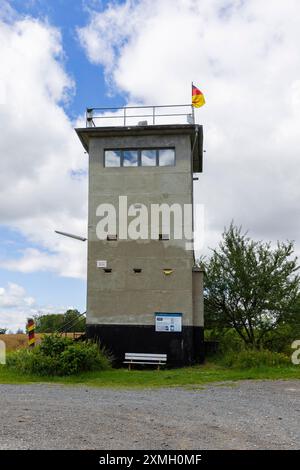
(244,415)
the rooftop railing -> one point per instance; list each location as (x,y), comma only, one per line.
(140,115)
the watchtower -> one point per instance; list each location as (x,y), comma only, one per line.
(144,293)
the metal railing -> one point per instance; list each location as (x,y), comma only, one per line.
(64,329)
(156,115)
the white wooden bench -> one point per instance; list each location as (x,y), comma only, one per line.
(145,358)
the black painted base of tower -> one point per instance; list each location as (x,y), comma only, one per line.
(185,348)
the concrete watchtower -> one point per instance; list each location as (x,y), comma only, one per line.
(144,294)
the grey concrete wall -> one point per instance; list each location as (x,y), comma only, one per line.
(122,296)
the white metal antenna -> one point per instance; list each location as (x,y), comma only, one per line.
(70,235)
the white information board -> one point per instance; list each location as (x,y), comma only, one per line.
(168,322)
(102,263)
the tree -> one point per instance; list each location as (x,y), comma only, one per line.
(48,323)
(73,321)
(70,321)
(249,286)
(3,331)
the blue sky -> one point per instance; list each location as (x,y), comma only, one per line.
(67,15)
(60,56)
(49,288)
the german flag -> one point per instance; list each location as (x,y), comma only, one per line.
(198,99)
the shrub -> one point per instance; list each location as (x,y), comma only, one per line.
(281,338)
(227,338)
(80,357)
(277,340)
(253,358)
(59,356)
(53,345)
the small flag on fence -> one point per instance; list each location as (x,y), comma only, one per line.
(198,99)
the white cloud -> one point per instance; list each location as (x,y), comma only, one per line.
(16,306)
(244,57)
(6,11)
(40,152)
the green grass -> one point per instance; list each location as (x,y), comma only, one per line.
(186,377)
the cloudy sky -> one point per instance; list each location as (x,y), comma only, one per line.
(59,56)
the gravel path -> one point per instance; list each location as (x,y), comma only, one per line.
(244,415)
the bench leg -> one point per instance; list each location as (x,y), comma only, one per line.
(158,367)
(129,366)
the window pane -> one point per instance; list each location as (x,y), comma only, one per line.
(148,157)
(112,158)
(166,157)
(130,158)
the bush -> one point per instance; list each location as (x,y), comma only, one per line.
(277,340)
(281,338)
(248,359)
(53,345)
(59,356)
(80,357)
(228,340)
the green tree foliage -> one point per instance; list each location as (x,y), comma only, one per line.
(70,321)
(3,331)
(48,323)
(73,321)
(251,287)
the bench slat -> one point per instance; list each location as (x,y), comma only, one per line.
(145,356)
(144,359)
(141,362)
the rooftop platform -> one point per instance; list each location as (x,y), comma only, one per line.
(144,121)
(140,115)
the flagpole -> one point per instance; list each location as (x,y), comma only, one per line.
(193,111)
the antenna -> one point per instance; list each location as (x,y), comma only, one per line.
(70,235)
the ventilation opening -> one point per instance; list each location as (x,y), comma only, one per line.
(137,270)
(107,270)
(112,237)
(168,271)
(164,236)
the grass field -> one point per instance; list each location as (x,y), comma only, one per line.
(187,377)
(122,378)
(17,341)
